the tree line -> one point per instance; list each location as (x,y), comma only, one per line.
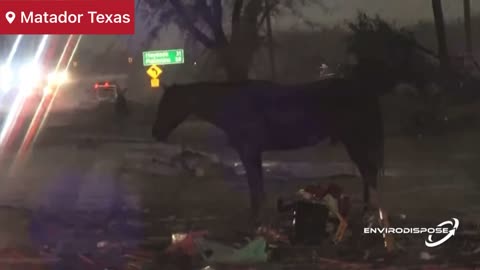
(233,30)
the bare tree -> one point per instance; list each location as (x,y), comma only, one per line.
(206,22)
(441,33)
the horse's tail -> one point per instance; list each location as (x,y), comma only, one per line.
(379,137)
(381,156)
(373,134)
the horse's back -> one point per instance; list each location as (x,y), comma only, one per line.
(333,87)
(326,92)
(288,116)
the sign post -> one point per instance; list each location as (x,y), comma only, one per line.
(155,83)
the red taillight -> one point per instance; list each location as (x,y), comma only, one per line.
(96,86)
(106,84)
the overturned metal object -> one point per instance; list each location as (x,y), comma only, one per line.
(388,240)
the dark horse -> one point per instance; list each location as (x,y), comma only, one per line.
(259,116)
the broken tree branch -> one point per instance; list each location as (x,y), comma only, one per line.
(189,24)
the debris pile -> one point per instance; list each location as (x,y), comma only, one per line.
(311,232)
(315,210)
(214,252)
(167,160)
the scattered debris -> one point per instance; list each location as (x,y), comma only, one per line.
(337,264)
(388,239)
(300,169)
(184,242)
(317,203)
(273,236)
(194,244)
(83,240)
(214,252)
(193,162)
(102,244)
(171,160)
(426,256)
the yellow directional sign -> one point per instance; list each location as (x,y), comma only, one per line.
(155,83)
(154,71)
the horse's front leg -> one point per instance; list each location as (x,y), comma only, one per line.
(251,158)
(369,170)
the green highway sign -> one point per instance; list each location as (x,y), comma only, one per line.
(164,57)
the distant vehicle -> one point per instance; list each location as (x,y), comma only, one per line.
(111,92)
(106,91)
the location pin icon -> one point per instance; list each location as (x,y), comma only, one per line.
(10,16)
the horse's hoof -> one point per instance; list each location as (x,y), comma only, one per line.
(256,223)
(258,219)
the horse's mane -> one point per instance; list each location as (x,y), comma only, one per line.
(216,83)
(213,86)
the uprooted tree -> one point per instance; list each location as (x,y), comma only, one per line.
(373,40)
(370,38)
(232,29)
(441,34)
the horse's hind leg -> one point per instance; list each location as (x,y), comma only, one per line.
(367,162)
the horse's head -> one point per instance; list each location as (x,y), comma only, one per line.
(173,108)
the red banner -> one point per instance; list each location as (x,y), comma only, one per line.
(105,17)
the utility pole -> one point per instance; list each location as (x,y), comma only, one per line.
(271,51)
(468,26)
(441,35)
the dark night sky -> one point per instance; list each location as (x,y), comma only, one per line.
(401,11)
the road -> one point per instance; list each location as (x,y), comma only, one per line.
(437,162)
(86,159)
